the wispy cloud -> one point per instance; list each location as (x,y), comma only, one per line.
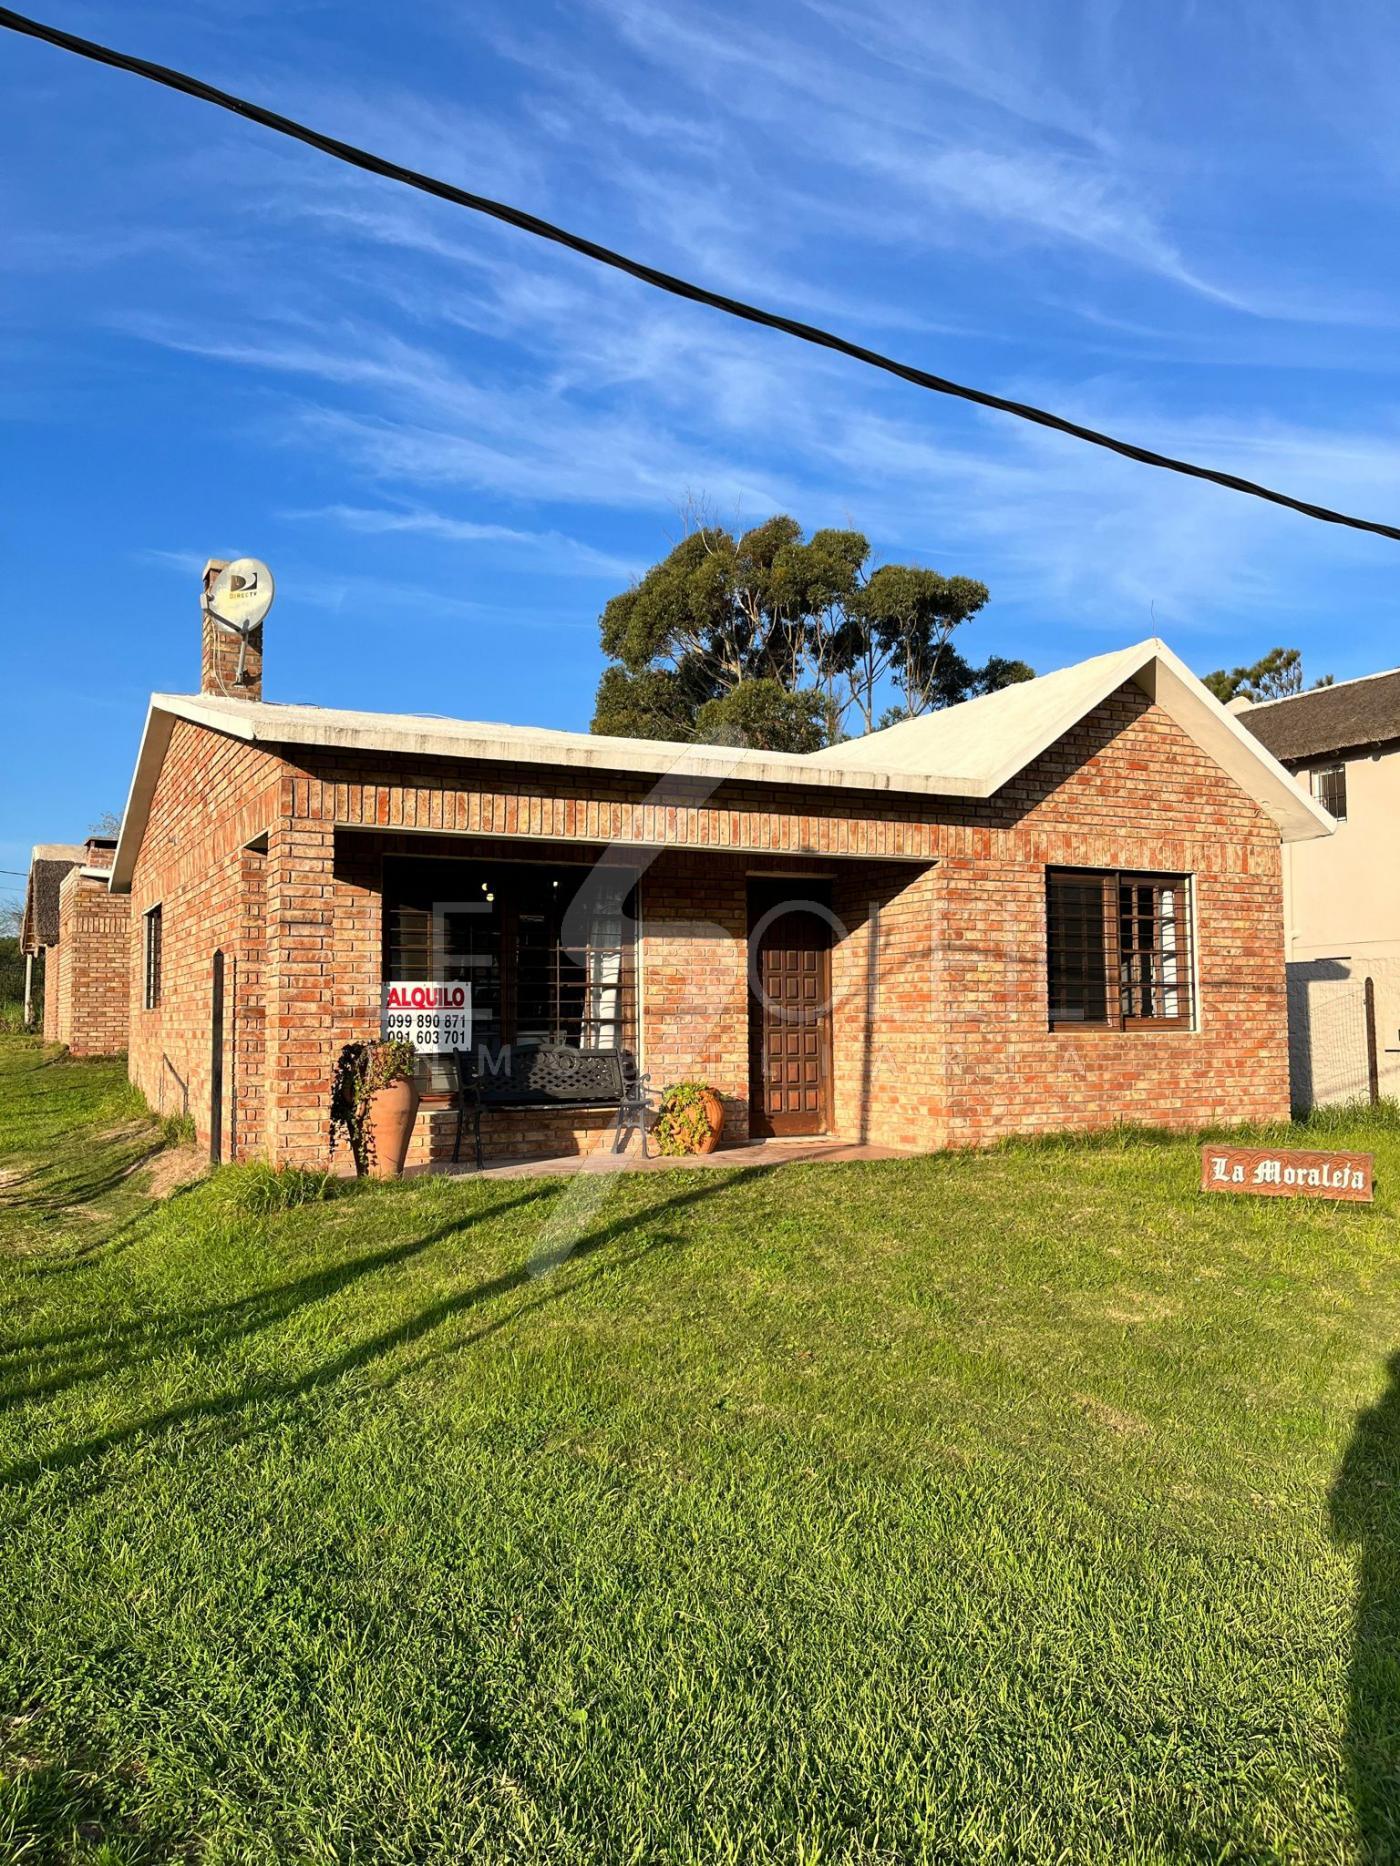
(952,113)
(1029,197)
(549,552)
(941,168)
(1104,546)
(361,597)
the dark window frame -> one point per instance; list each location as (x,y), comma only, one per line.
(1328,784)
(153,955)
(529,987)
(1106,943)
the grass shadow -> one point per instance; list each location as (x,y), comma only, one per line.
(91,1353)
(363,1353)
(55,1188)
(1365,1506)
(48,1789)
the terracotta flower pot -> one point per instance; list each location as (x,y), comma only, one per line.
(714,1114)
(389,1118)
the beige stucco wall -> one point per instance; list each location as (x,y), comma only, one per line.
(1342,903)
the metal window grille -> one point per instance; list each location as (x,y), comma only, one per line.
(549,951)
(1329,788)
(153,944)
(1119,950)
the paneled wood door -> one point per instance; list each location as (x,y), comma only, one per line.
(789,1012)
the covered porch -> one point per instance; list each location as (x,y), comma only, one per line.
(789,985)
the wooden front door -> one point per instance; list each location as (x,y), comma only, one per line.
(789,1013)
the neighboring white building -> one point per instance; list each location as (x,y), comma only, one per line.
(1342,892)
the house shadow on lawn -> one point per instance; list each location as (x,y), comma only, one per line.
(1365,1503)
(89,1356)
(73,1357)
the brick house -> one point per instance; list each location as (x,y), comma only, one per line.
(1056,906)
(80,928)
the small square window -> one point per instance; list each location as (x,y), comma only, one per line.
(151,922)
(1329,788)
(1119,950)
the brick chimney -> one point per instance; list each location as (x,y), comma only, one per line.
(218,672)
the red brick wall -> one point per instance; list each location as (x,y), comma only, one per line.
(214,796)
(940,1028)
(694,977)
(889,1034)
(246,994)
(90,1003)
(1126,789)
(53,990)
(566,806)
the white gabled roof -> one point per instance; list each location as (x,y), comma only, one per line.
(970,750)
(987,741)
(428,735)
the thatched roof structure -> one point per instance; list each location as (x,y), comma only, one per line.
(49,865)
(1352,716)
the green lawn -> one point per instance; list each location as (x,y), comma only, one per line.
(1023,1506)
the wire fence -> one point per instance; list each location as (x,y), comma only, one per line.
(1337,1048)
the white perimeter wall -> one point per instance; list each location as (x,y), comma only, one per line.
(1342,896)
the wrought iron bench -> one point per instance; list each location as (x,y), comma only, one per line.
(548,1075)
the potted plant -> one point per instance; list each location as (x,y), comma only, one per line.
(374,1098)
(690,1118)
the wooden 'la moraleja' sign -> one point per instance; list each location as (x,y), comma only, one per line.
(1286,1173)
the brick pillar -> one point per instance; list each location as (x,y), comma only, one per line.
(889,1019)
(302,1034)
(695,980)
(53,985)
(249,1086)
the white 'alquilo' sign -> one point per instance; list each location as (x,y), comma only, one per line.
(434,1017)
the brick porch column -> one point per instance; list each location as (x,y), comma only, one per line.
(299,990)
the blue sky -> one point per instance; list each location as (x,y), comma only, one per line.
(453,443)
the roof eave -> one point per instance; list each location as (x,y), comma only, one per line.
(1165,678)
(715,764)
(1151,664)
(626,757)
(155,737)
(1234,747)
(1122,667)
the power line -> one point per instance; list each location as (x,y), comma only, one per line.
(652,275)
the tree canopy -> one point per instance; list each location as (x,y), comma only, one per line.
(784,642)
(1273,676)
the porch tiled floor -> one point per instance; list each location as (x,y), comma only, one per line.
(752,1153)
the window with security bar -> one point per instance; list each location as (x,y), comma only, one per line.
(152,956)
(1329,788)
(1119,950)
(548,950)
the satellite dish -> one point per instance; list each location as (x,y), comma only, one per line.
(241,595)
(238,599)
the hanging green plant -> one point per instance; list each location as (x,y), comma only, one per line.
(360,1069)
(689,1119)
